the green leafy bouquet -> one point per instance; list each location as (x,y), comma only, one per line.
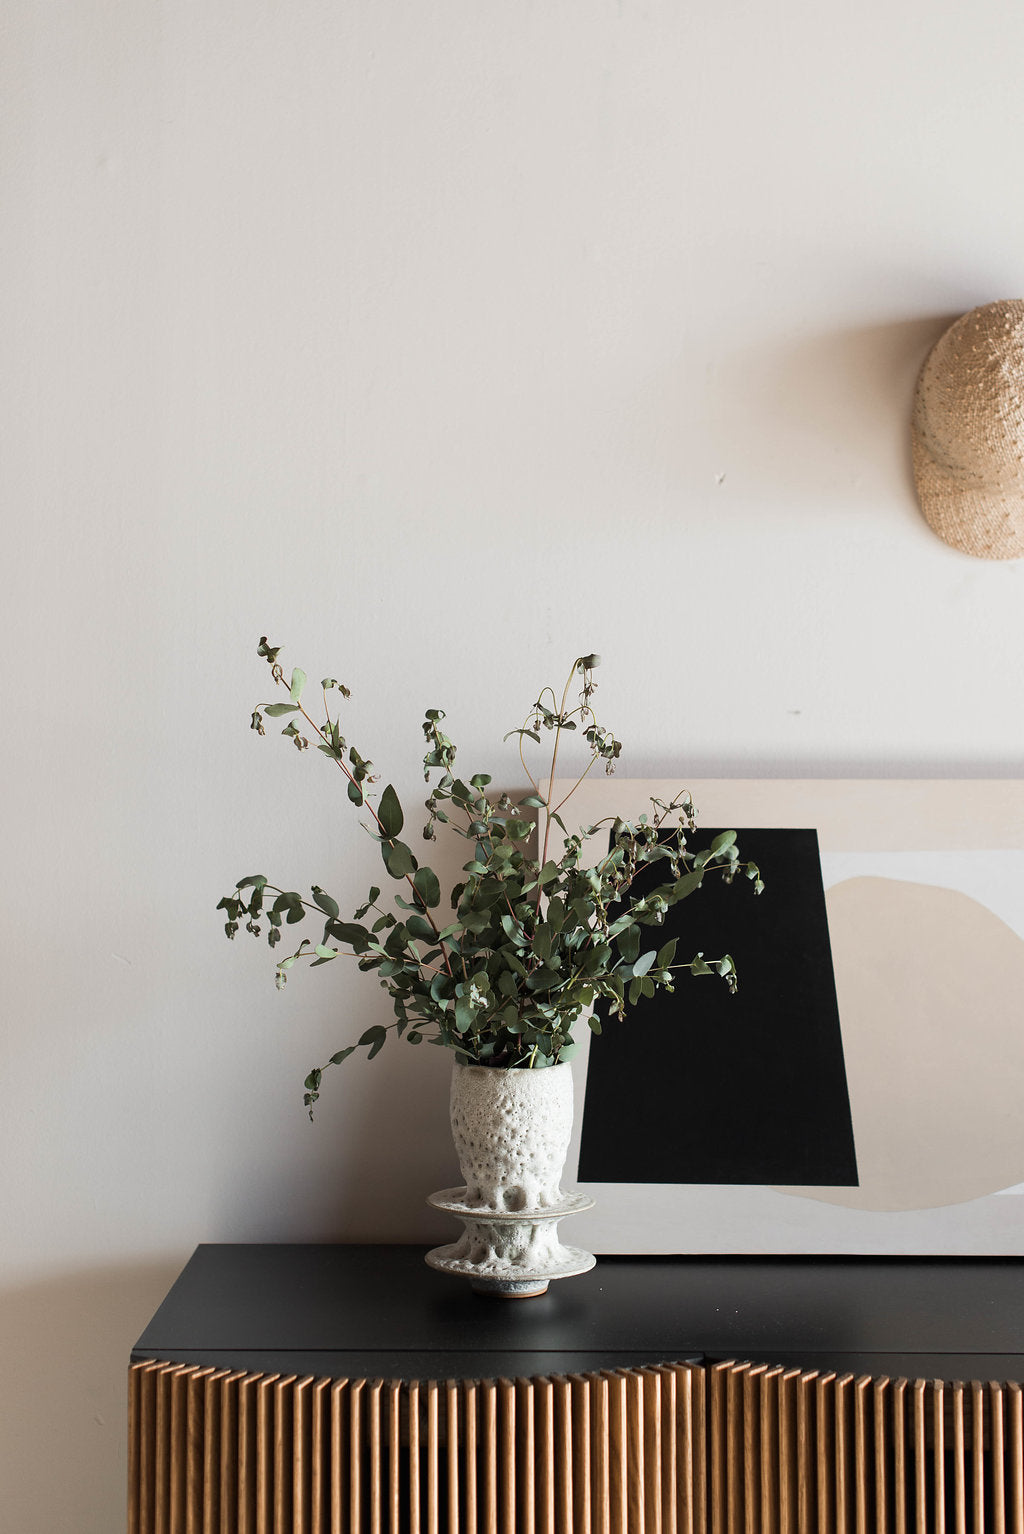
(533,942)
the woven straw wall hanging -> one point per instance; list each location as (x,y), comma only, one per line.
(968,433)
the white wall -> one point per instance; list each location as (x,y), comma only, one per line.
(442,341)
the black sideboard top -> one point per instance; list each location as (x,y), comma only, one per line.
(380,1312)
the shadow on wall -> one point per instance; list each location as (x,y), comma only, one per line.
(382,1143)
(64,1344)
(801,420)
(836,408)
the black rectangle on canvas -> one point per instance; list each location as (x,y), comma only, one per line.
(701,1086)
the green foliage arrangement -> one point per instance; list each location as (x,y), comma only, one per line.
(533,942)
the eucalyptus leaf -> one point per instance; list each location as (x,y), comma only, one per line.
(465,1012)
(389,812)
(629,944)
(398,860)
(427,886)
(351,934)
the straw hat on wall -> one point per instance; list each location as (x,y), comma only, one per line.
(968,432)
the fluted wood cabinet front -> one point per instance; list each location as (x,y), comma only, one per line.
(816,1452)
(215,1451)
(736,1448)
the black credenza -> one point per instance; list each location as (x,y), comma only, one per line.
(341,1388)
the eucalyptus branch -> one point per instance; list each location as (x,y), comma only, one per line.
(522,758)
(533,942)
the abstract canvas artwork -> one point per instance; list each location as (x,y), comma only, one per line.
(864,1090)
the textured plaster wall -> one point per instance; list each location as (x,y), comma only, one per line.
(443,341)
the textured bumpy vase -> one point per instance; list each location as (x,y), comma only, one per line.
(511,1130)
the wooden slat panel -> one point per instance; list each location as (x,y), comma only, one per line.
(356,1441)
(978,1436)
(469,1459)
(507,1456)
(162,1458)
(675,1513)
(394,1435)
(768,1408)
(902,1457)
(373,1429)
(752,1508)
(565,1492)
(938,1457)
(998,1478)
(544,1462)
(229,1456)
(920,1525)
(195,1440)
(635,1444)
(451,1418)
(842,1437)
(211,1450)
(301,1453)
(653,1428)
(136,1424)
(583,1492)
(824,1413)
(1014,1438)
(179,1450)
(719,1448)
(958,1460)
(617,1453)
(415,1485)
(264,1466)
(431,1395)
(340,1393)
(488,1397)
(170,1505)
(882,1448)
(283,1408)
(320,1452)
(525,1456)
(807,1462)
(789,1466)
(863,1457)
(693,1420)
(599,1454)
(735,1444)
(145,1406)
(245,1448)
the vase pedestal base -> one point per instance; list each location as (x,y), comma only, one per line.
(509,1254)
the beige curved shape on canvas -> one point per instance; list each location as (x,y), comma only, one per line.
(930,985)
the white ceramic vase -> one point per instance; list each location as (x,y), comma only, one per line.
(511,1130)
